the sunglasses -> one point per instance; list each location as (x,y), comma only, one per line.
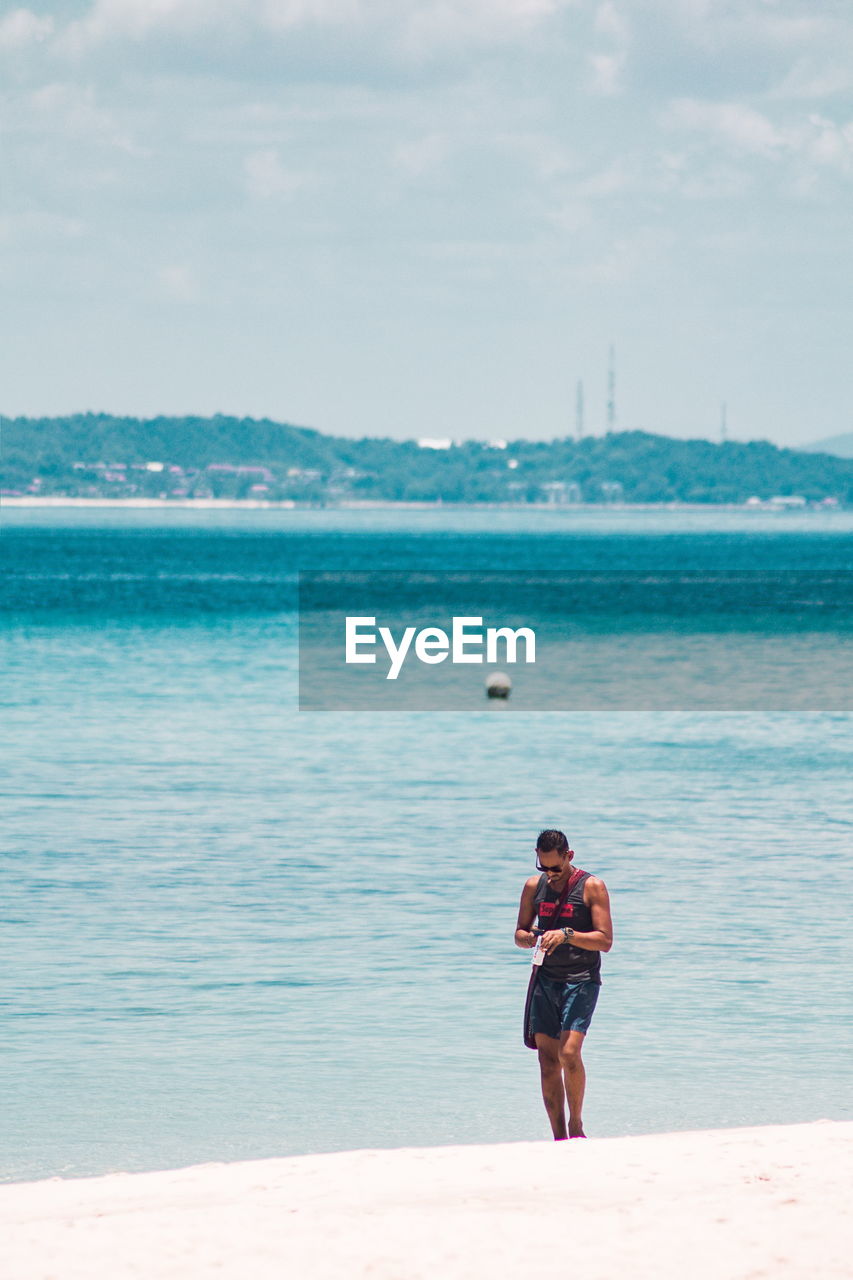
(553,866)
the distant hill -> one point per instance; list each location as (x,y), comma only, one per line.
(96,455)
(840,446)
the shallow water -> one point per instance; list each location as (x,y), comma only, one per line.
(233,930)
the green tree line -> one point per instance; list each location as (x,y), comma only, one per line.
(100,454)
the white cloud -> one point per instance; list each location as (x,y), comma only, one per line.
(415,26)
(826,143)
(281,15)
(444,23)
(134,20)
(606,182)
(578,205)
(177,283)
(627,257)
(721,24)
(607,66)
(742,132)
(568,216)
(610,22)
(39,227)
(731,124)
(760,25)
(544,155)
(71,110)
(422,157)
(267,178)
(606,72)
(21,27)
(812,78)
(713,180)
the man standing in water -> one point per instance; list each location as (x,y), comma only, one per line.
(572,910)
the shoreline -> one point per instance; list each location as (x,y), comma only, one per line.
(721,1204)
(229,504)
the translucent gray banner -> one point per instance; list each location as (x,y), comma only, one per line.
(572,641)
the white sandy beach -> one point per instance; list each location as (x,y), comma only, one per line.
(747,1203)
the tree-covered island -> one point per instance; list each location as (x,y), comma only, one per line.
(102,456)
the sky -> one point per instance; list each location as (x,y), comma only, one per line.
(430,217)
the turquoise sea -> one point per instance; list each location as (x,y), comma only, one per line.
(232,930)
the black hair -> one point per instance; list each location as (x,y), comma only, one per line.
(552,842)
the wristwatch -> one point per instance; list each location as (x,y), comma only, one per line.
(568,933)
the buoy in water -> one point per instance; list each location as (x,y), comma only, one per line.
(498,685)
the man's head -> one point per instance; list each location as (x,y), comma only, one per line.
(553,855)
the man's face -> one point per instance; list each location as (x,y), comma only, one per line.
(552,863)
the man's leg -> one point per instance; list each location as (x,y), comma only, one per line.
(552,1084)
(571,1043)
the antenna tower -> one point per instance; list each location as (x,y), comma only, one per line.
(611,390)
(579,412)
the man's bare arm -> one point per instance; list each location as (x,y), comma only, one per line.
(527,914)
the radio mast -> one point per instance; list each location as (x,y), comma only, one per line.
(611,390)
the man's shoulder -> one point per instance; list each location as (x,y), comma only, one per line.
(594,884)
(532,882)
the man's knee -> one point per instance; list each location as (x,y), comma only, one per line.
(570,1055)
(549,1055)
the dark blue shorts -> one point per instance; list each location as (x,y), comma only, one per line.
(562,1006)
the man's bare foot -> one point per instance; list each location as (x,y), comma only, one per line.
(579,1134)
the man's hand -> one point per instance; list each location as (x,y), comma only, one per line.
(552,939)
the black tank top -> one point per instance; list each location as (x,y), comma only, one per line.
(567,963)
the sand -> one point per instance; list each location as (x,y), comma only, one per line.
(747,1203)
